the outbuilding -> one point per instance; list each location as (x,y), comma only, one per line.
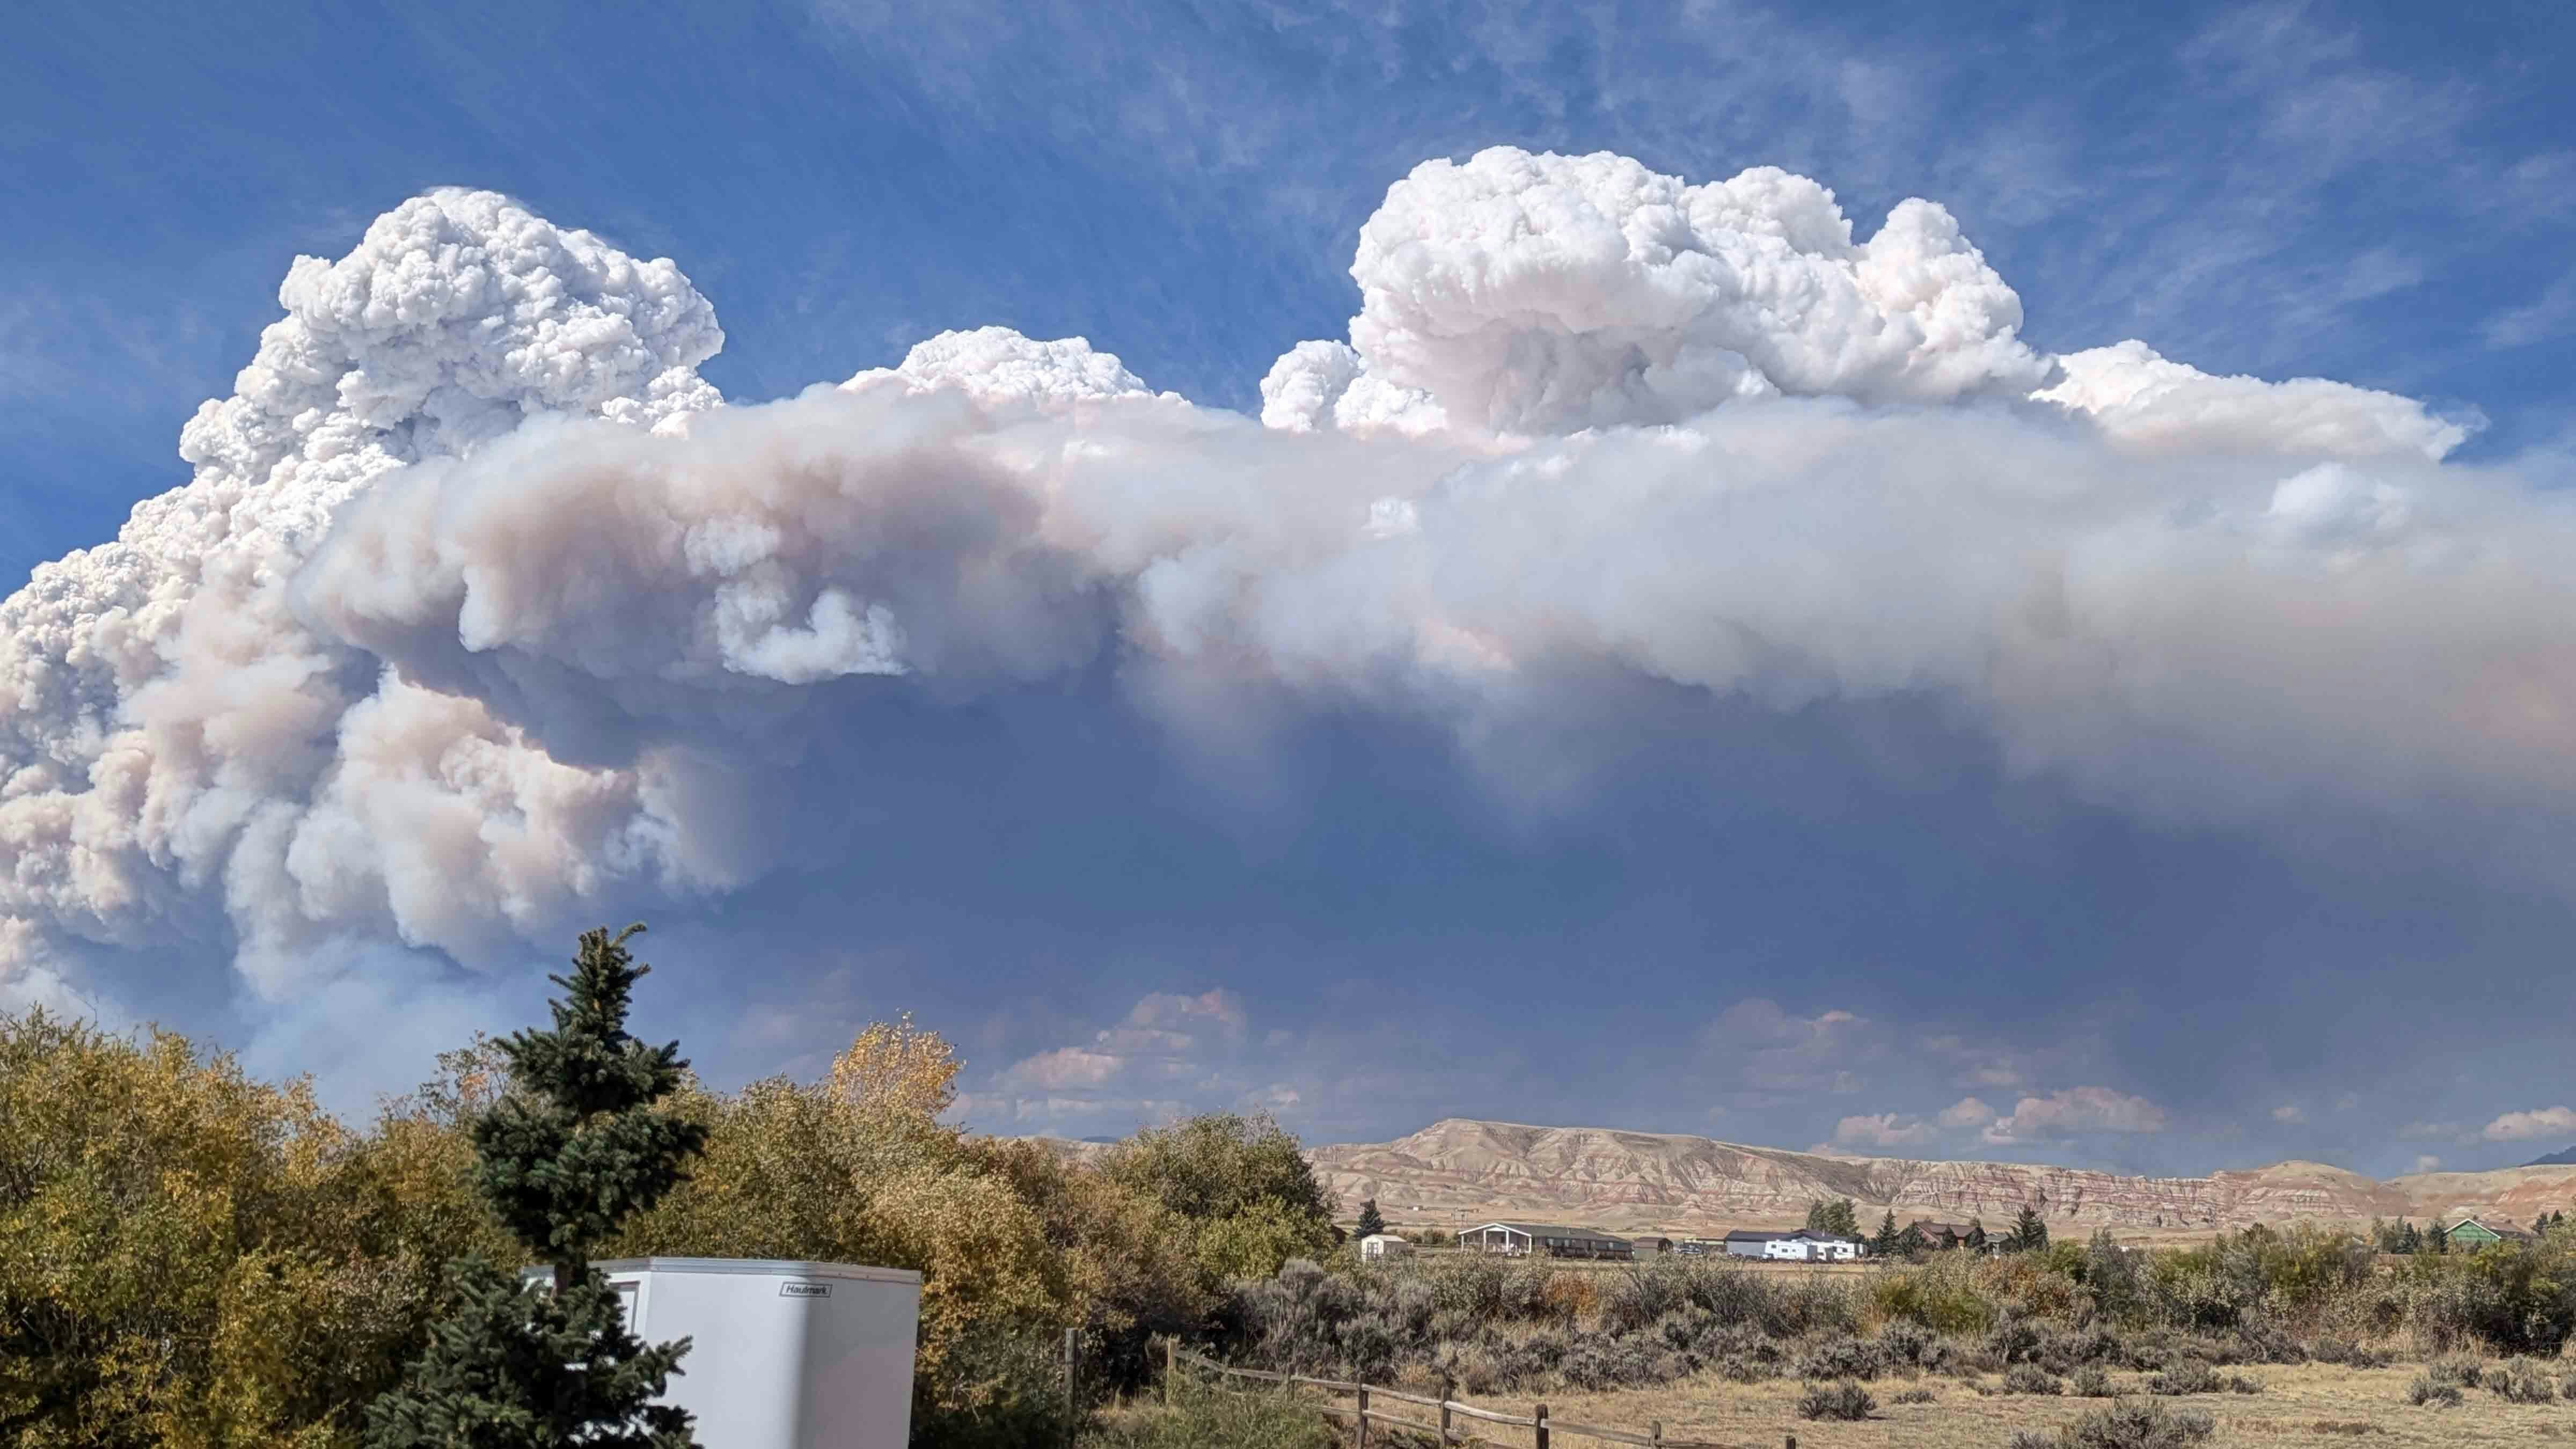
(1384,1245)
(1795,1246)
(1755,1243)
(782,1355)
(1518,1240)
(2472,1233)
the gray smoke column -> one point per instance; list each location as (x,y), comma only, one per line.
(479,608)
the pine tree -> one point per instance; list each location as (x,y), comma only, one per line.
(1820,1216)
(1976,1239)
(1912,1243)
(573,1147)
(2029,1234)
(2437,1238)
(1884,1243)
(1844,1218)
(1370,1222)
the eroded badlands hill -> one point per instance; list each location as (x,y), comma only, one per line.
(1459,1169)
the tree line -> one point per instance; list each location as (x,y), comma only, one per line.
(1841,1217)
(192,1257)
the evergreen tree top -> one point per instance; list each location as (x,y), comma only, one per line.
(588,1064)
(577,1143)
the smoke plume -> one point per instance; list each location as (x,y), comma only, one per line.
(481,608)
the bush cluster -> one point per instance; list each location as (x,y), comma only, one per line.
(1488,1325)
(2126,1424)
(2519,1381)
(2430,1392)
(1843,1400)
(191,1256)
(2030,1378)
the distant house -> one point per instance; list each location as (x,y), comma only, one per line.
(1796,1246)
(1941,1235)
(1519,1240)
(1385,1245)
(1650,1247)
(2472,1233)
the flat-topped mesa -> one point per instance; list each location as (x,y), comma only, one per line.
(1461,1168)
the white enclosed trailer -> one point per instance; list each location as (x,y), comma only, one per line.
(782,1355)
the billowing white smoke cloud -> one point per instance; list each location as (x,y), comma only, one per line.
(479,607)
(1529,294)
(167,729)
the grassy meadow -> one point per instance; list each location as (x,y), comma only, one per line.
(2299,1406)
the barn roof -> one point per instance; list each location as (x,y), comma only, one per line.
(1550,1230)
(2500,1228)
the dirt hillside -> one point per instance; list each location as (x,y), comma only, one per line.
(1459,1169)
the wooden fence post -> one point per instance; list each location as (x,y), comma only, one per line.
(1655,1433)
(1448,1391)
(1072,1408)
(1363,1417)
(1171,1365)
(1538,1431)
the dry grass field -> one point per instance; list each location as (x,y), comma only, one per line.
(2311,1405)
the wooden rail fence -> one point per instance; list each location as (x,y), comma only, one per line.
(1543,1428)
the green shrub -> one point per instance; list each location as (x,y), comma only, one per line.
(1917,1395)
(2349,1354)
(1905,1344)
(2030,1378)
(1238,1186)
(2456,1369)
(2428,1391)
(1841,1357)
(1844,1400)
(2519,1382)
(2062,1351)
(1943,1295)
(2136,1424)
(2514,1297)
(1202,1418)
(2013,1339)
(2091,1382)
(2190,1376)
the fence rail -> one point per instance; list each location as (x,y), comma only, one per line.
(1543,1428)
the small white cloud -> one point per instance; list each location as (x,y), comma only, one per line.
(1773,1051)
(2523,1126)
(2427,1162)
(2288,1114)
(1165,1039)
(1064,1067)
(1967,1112)
(2077,1109)
(1885,1129)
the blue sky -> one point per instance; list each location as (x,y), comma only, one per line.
(1366,937)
